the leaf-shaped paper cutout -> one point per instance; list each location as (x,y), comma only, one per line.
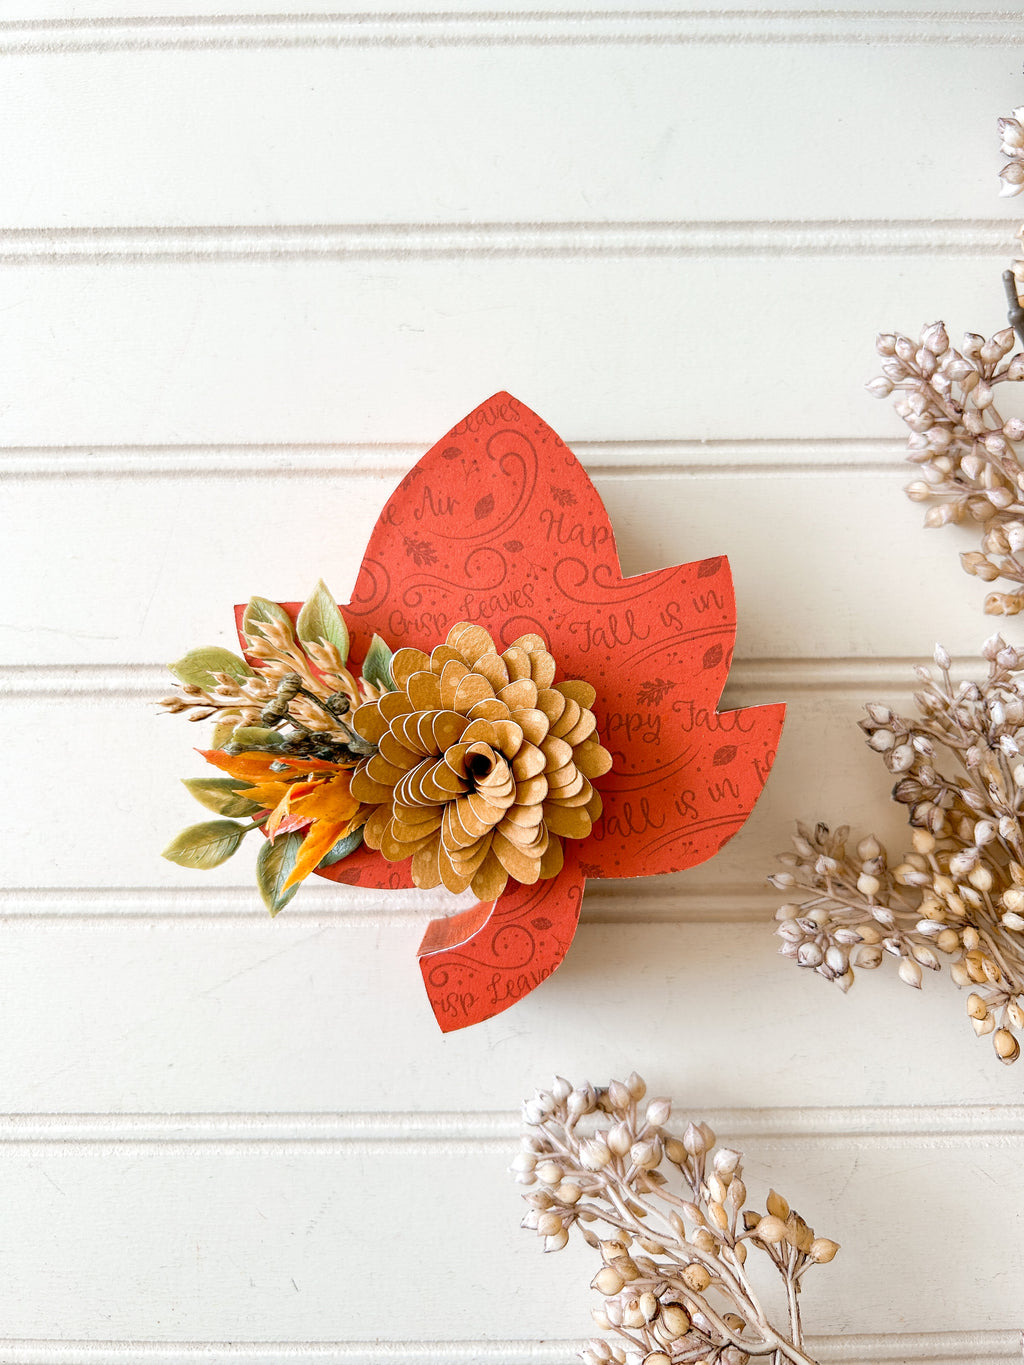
(206,845)
(198,666)
(546,565)
(321,620)
(221,795)
(376,667)
(274,864)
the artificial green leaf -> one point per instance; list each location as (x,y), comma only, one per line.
(274,864)
(257,735)
(259,611)
(342,848)
(222,732)
(199,665)
(206,845)
(221,794)
(377,665)
(320,619)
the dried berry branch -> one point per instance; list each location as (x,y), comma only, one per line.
(967,451)
(674,1281)
(960,774)
(971,467)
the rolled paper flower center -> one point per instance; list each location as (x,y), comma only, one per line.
(483,764)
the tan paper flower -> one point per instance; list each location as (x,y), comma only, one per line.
(484,763)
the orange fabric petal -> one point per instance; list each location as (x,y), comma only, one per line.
(322,837)
(256,763)
(330,801)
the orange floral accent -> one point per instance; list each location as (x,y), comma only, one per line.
(310,792)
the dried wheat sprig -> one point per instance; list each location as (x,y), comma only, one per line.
(676,1232)
(959,771)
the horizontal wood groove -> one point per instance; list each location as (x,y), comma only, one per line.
(922,1348)
(579,28)
(612,903)
(756,679)
(825,455)
(167,245)
(931,1126)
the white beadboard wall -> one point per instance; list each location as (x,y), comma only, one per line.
(251,266)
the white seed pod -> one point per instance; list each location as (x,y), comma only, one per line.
(607,1281)
(868,957)
(910,972)
(556,1241)
(549,1172)
(675,1317)
(983,1026)
(1006,1046)
(658,1112)
(696,1277)
(823,1250)
(809,955)
(618,1095)
(694,1141)
(924,955)
(648,1306)
(726,1162)
(770,1229)
(620,1139)
(594,1155)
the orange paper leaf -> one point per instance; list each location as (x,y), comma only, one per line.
(499,525)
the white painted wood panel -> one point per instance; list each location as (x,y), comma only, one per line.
(366,123)
(261,1243)
(615,348)
(309,1015)
(255,264)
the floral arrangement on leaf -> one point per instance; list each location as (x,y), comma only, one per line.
(959,767)
(667,1212)
(497,709)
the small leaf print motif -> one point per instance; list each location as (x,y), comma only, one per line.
(713,656)
(450,453)
(709,567)
(484,507)
(421,552)
(565,497)
(514,547)
(724,755)
(541,923)
(654,691)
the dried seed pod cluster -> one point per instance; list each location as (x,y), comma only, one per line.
(483,763)
(667,1211)
(966,449)
(1011,133)
(959,892)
